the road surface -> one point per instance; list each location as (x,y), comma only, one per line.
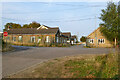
(24,57)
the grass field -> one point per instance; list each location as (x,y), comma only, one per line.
(81,66)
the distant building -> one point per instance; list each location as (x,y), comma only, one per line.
(97,39)
(63,38)
(42,35)
(73,39)
(30,36)
(68,36)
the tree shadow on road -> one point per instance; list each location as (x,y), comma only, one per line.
(18,49)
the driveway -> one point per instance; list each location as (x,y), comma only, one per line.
(24,57)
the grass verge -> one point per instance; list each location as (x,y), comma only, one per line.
(6,47)
(80,66)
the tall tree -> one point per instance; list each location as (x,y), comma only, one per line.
(8,25)
(12,26)
(25,26)
(34,25)
(109,17)
(119,23)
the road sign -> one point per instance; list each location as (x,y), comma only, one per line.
(5,34)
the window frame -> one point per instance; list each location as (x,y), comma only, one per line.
(99,41)
(14,39)
(39,39)
(91,41)
(20,40)
(47,39)
(32,39)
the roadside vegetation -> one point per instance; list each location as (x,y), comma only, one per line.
(45,45)
(83,39)
(81,66)
(110,25)
(6,47)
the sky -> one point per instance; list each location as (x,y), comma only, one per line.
(79,18)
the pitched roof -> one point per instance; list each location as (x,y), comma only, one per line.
(46,26)
(33,31)
(94,31)
(74,36)
(68,34)
(43,27)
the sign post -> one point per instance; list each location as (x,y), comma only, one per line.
(5,34)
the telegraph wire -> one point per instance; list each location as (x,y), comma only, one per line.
(73,20)
(77,8)
(96,5)
(58,18)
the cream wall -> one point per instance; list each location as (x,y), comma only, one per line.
(98,36)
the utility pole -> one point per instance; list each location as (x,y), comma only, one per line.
(77,35)
(95,32)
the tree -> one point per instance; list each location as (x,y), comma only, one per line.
(119,23)
(34,25)
(25,26)
(110,18)
(83,39)
(12,26)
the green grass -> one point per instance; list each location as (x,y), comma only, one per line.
(105,66)
(82,66)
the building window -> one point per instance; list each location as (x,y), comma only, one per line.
(33,39)
(64,41)
(20,38)
(14,38)
(57,39)
(91,40)
(47,39)
(39,39)
(101,40)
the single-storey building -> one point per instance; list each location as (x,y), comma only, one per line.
(63,38)
(73,39)
(67,37)
(33,36)
(97,39)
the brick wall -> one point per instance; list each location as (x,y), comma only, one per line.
(26,39)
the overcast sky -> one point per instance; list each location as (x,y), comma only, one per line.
(75,17)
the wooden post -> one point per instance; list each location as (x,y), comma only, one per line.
(6,43)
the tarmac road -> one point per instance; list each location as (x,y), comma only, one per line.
(24,57)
